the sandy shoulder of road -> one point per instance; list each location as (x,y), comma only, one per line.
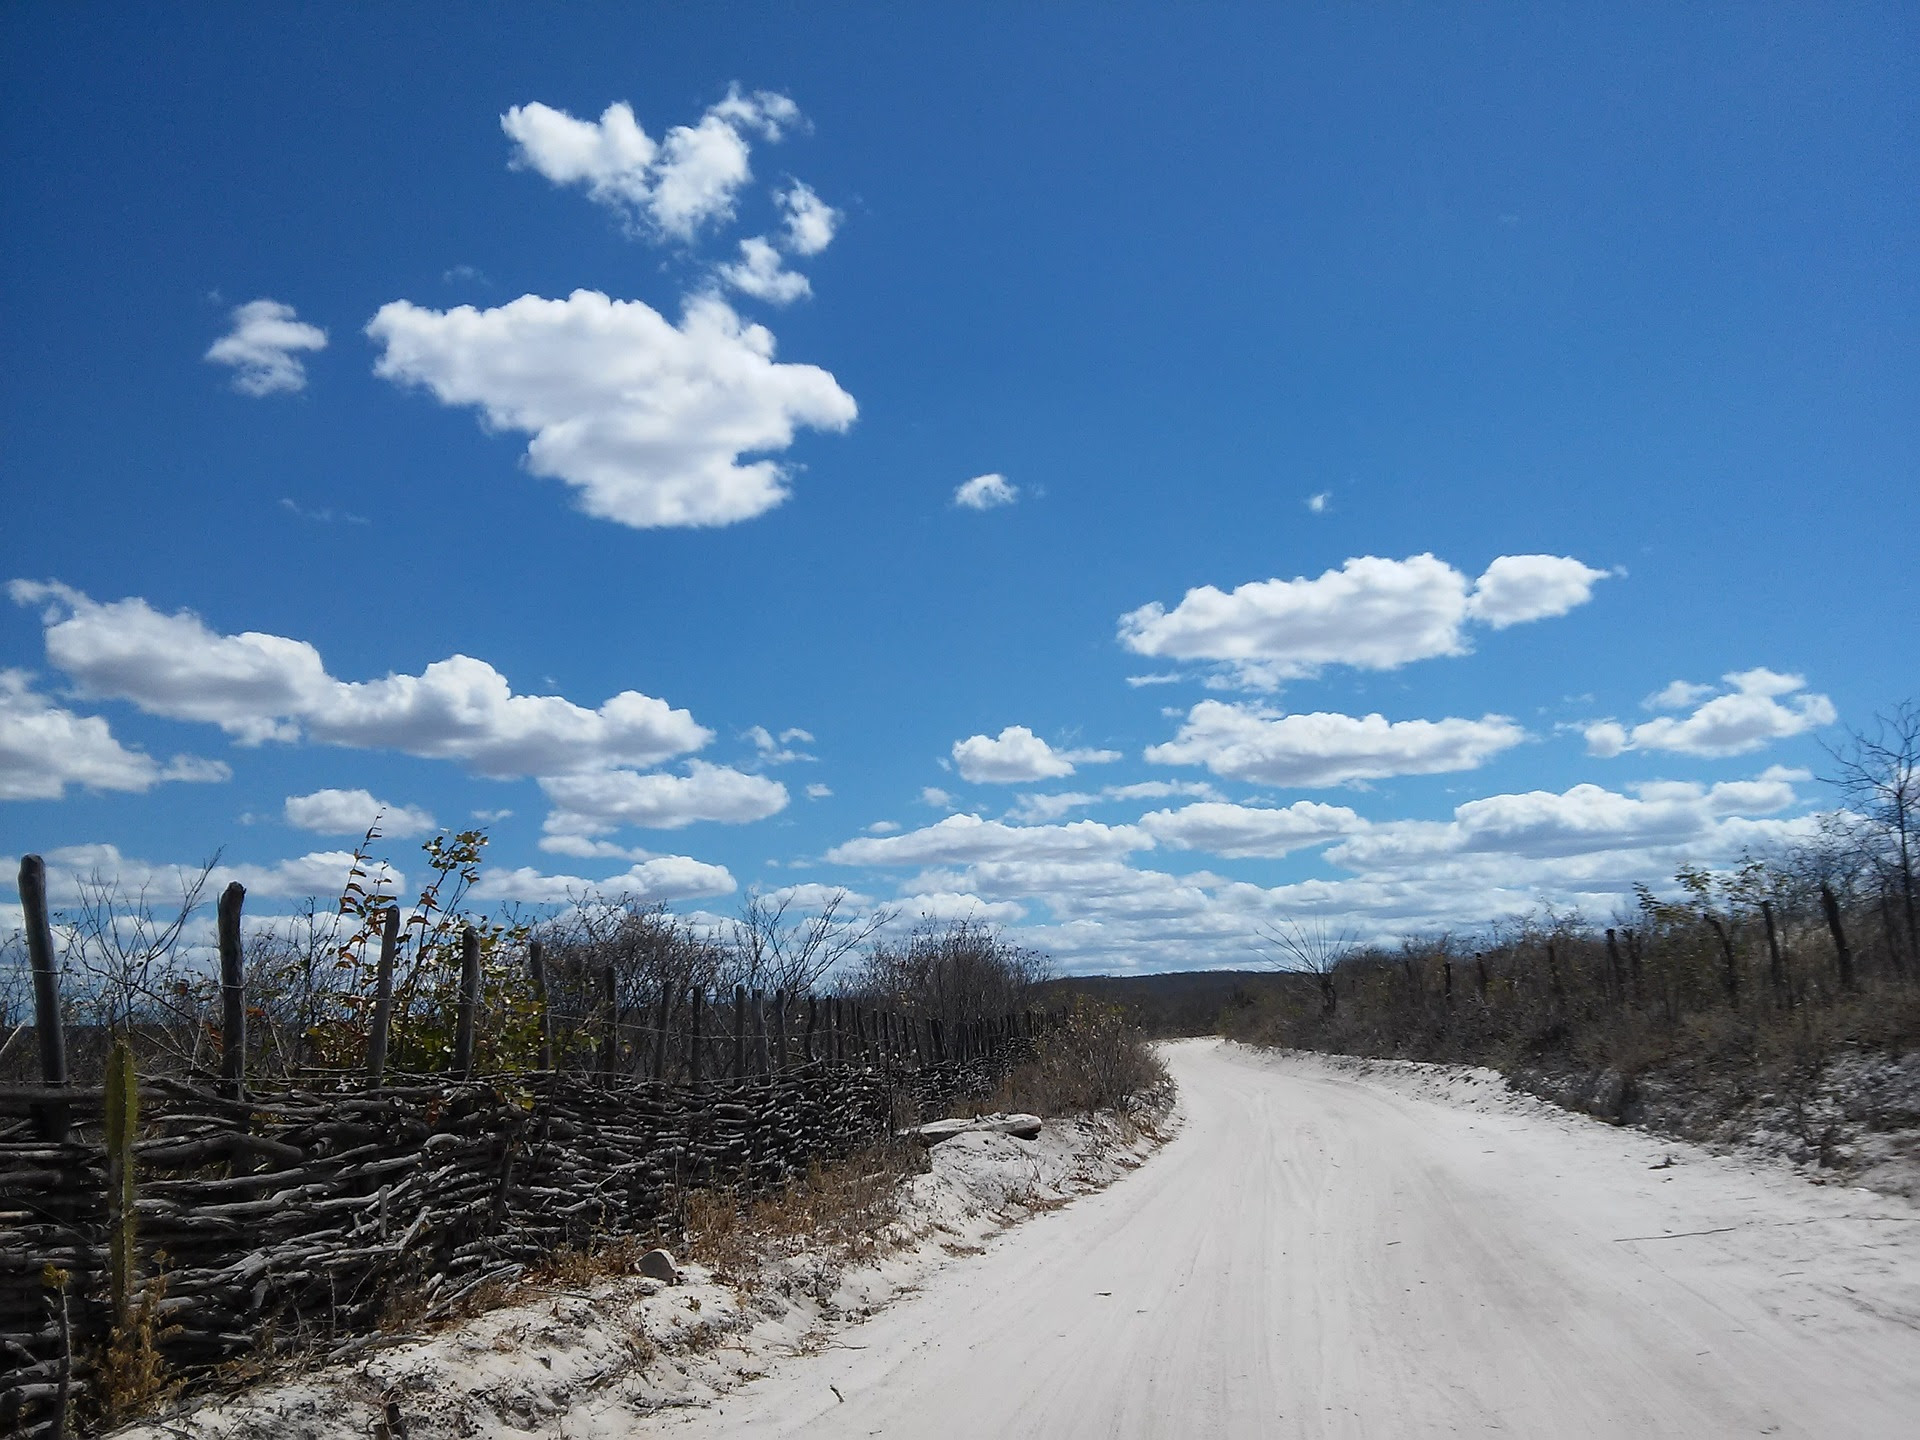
(595,1359)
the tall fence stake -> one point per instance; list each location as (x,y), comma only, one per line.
(661,1021)
(46,993)
(693,1038)
(383,998)
(537,967)
(609,1022)
(233,993)
(760,1032)
(469,1002)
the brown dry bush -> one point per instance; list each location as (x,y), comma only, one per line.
(843,1211)
(1096,1059)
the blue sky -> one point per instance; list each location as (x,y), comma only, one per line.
(1543,385)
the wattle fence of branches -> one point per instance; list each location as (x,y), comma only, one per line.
(153,1229)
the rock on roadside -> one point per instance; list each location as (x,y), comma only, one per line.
(1021,1127)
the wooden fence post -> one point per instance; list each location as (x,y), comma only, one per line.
(813,1019)
(1616,976)
(739,1032)
(537,969)
(779,1030)
(469,1002)
(760,1032)
(609,1021)
(382,998)
(693,1038)
(1842,955)
(46,993)
(233,993)
(660,1035)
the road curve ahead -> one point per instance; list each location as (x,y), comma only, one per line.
(1317,1255)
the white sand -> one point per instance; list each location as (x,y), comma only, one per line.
(1327,1247)
(595,1361)
(1330,1248)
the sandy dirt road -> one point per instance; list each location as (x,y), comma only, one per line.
(1316,1254)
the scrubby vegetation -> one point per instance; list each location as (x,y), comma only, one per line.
(1736,983)
(1097,1058)
(604,984)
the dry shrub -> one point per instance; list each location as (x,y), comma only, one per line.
(1097,1060)
(570,1267)
(843,1211)
(133,1378)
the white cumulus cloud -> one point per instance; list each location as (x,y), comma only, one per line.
(44,748)
(352,812)
(1043,808)
(663,877)
(984,492)
(1268,747)
(319,875)
(263,347)
(647,420)
(1017,755)
(1519,588)
(1371,613)
(1677,695)
(1251,830)
(761,273)
(941,906)
(673,186)
(261,687)
(810,221)
(594,801)
(1758,707)
(968,839)
(1584,820)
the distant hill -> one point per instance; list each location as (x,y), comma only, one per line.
(1180,1002)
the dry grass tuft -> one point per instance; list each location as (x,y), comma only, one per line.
(571,1268)
(845,1212)
(133,1378)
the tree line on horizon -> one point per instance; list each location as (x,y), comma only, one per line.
(1777,959)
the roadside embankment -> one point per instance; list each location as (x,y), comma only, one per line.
(592,1352)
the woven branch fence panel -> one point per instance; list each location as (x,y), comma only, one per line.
(291,1218)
